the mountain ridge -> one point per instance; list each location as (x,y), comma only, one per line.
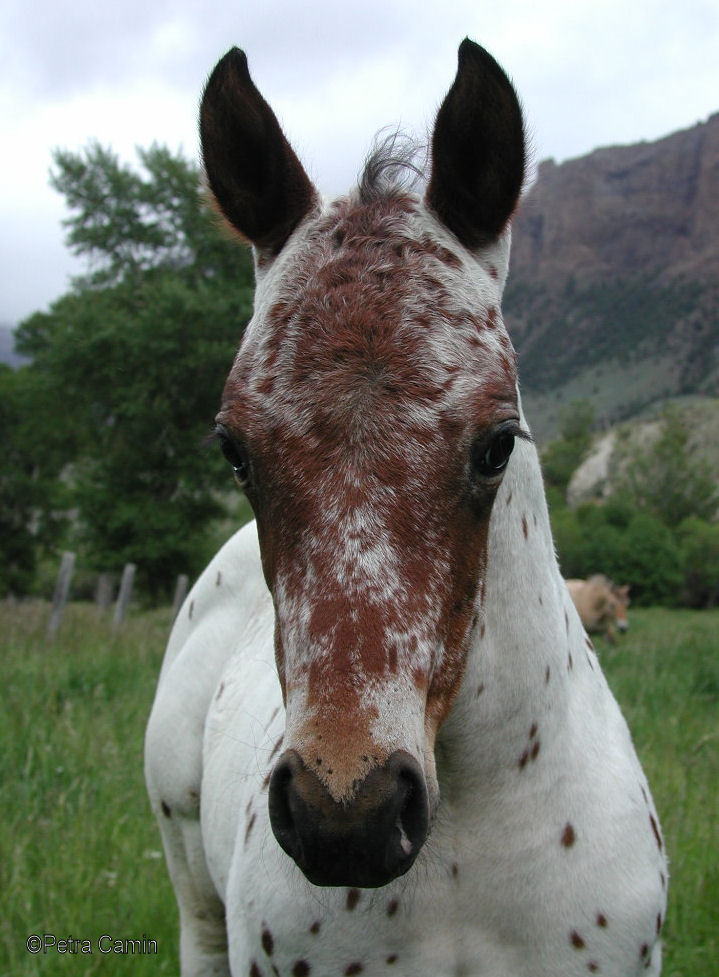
(614,282)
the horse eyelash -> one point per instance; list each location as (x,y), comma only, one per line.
(214,436)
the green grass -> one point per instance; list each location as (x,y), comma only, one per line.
(665,674)
(80,853)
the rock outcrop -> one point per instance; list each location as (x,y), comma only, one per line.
(614,286)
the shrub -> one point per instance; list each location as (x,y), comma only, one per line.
(637,549)
(651,561)
(699,542)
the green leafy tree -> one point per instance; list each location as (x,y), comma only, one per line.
(31,493)
(134,358)
(125,222)
(562,457)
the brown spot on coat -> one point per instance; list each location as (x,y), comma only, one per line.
(166,809)
(392,958)
(268,943)
(535,750)
(525,527)
(602,921)
(300,969)
(392,906)
(655,829)
(576,940)
(353,897)
(250,826)
(315,927)
(353,968)
(592,966)
(568,836)
(255,970)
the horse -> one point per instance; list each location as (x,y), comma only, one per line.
(602,605)
(381,741)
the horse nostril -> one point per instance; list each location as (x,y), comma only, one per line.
(412,820)
(366,841)
(280,804)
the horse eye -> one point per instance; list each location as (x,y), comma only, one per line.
(237,458)
(490,459)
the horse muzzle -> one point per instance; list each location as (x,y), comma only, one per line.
(367,841)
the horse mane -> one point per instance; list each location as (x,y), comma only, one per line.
(395,166)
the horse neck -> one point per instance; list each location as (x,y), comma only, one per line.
(520,647)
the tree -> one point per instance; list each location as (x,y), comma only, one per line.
(135,356)
(126,222)
(31,493)
(562,457)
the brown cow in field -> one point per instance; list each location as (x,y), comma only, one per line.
(602,605)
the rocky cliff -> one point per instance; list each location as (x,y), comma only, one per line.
(614,286)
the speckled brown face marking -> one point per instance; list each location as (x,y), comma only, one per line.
(369,415)
(357,404)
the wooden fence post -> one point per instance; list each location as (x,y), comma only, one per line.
(62,589)
(123,597)
(103,592)
(180,593)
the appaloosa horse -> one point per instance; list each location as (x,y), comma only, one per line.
(382,743)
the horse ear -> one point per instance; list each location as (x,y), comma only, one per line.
(478,150)
(258,183)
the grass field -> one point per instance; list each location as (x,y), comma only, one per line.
(79,851)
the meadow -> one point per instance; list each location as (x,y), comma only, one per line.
(80,855)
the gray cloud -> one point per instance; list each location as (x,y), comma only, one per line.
(131,72)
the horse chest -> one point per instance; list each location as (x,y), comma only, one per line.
(507,883)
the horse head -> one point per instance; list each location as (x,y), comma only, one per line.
(369,416)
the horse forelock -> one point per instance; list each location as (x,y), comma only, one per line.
(376,354)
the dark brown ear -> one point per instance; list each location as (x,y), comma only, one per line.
(257,181)
(478,150)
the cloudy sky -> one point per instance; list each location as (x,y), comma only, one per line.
(129,72)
